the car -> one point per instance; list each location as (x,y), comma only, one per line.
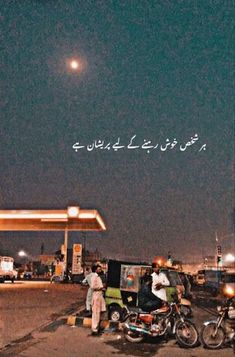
(7,271)
(28,275)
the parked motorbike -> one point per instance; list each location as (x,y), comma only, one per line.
(215,334)
(167,320)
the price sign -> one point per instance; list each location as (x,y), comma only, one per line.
(77,259)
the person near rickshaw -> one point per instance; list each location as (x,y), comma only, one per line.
(147,301)
(159,283)
(87,280)
(98,302)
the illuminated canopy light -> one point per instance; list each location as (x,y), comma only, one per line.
(73,211)
(28,214)
(91,215)
(86,215)
(73,218)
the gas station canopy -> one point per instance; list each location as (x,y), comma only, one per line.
(71,219)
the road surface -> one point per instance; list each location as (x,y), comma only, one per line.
(24,306)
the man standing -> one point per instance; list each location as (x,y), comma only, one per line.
(159,282)
(148,301)
(87,280)
(98,302)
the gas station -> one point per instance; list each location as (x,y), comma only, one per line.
(71,219)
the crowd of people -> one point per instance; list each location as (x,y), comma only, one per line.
(151,296)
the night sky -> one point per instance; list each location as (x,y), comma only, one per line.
(155,70)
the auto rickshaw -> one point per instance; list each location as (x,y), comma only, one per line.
(124,280)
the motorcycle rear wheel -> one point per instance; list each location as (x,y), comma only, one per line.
(186,334)
(211,340)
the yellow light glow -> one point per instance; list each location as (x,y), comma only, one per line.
(229,291)
(74,64)
(160,260)
(230,258)
(22,253)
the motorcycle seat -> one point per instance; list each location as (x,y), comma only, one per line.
(138,310)
(162,309)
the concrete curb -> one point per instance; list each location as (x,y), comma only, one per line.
(107,325)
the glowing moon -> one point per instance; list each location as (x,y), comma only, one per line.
(74,64)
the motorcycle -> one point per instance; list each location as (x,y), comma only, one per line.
(215,334)
(168,320)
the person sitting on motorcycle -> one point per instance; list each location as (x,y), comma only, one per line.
(159,282)
(147,301)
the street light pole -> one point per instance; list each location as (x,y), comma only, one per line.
(65,250)
(216,257)
(84,250)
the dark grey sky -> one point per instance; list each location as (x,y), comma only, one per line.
(154,69)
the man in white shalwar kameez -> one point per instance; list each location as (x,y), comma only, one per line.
(90,290)
(160,281)
(98,302)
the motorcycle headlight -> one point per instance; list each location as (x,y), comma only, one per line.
(219,308)
(229,291)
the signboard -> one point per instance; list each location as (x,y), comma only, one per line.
(77,259)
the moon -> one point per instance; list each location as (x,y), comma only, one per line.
(74,64)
